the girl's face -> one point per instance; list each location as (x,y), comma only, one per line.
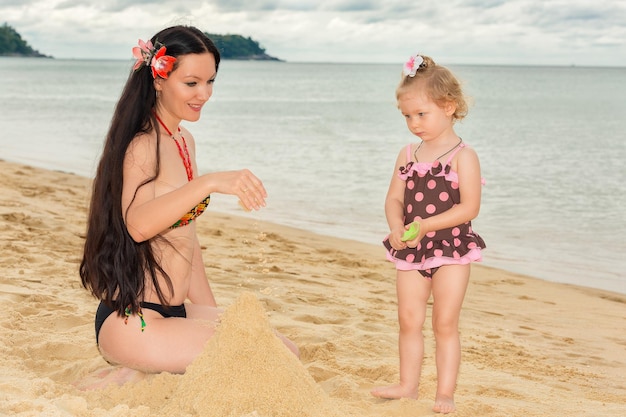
(188,87)
(424,117)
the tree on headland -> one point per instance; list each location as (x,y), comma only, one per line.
(230,46)
(12,44)
(239,47)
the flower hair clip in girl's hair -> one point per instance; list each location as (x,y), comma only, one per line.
(147,54)
(412,65)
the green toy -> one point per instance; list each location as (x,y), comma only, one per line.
(412,232)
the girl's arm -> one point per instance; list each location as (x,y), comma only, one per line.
(470,186)
(199,289)
(394,204)
(148,214)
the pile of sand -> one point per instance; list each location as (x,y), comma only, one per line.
(245,369)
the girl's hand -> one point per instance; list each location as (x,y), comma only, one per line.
(414,227)
(412,243)
(395,238)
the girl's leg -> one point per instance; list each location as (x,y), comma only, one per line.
(448,288)
(413,292)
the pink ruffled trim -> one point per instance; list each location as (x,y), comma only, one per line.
(422,168)
(474,255)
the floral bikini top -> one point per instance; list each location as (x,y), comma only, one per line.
(184,155)
(193,213)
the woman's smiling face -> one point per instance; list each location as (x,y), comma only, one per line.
(188,87)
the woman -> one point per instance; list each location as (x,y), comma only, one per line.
(142,257)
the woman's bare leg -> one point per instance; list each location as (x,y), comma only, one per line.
(151,350)
(101,378)
(140,353)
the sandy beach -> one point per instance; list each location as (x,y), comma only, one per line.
(530,347)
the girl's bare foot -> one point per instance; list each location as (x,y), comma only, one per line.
(394,392)
(107,376)
(444,404)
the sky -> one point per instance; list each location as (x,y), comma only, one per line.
(493,32)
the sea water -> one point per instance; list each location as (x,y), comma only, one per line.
(324,138)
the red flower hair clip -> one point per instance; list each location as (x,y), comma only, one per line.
(147,54)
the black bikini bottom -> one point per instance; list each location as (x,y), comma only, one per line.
(105,311)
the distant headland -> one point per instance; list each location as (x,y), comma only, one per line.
(12,44)
(238,47)
(230,46)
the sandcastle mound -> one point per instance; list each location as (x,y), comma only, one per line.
(245,369)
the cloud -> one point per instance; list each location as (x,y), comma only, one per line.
(557,32)
(295,5)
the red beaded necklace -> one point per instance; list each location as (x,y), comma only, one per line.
(183,151)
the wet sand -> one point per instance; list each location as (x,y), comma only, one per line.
(530,347)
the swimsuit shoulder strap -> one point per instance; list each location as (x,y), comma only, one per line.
(458,148)
(408,154)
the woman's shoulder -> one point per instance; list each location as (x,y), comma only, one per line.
(141,150)
(142,141)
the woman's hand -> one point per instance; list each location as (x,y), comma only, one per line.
(243,184)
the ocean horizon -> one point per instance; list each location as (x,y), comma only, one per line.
(324,137)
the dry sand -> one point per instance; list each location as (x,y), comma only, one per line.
(530,347)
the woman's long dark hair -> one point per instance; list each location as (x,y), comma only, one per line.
(114,266)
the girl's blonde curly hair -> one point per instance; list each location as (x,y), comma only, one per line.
(439,84)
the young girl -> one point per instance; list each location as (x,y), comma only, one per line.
(436,185)
(142,258)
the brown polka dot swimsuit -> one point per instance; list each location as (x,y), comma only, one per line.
(432,188)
